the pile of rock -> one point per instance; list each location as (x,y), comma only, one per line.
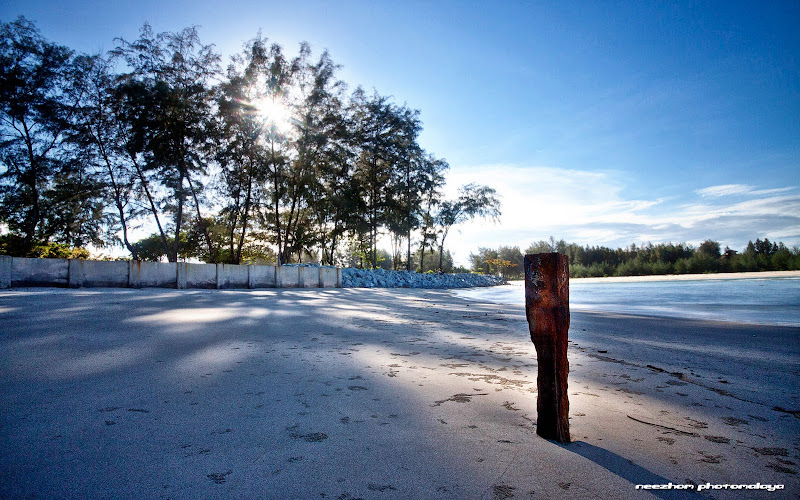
(381,278)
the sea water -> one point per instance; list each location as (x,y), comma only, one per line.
(770,301)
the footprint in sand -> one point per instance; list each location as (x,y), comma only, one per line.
(711,459)
(311,437)
(780,452)
(697,424)
(503,491)
(459,398)
(219,477)
(381,488)
(781,468)
(733,421)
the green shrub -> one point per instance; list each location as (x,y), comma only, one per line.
(13,245)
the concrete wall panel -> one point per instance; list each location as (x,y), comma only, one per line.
(153,274)
(200,275)
(262,277)
(5,271)
(328,277)
(309,277)
(95,273)
(39,272)
(288,277)
(232,276)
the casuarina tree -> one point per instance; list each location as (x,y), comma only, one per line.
(473,201)
(45,192)
(168,96)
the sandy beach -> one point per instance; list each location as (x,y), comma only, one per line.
(382,393)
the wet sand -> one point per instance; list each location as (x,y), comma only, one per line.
(354,393)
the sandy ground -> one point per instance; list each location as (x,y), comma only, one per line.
(354,393)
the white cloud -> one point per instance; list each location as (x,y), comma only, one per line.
(591,208)
(724,190)
(771,206)
(737,189)
(546,195)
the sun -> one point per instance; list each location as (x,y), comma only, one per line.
(275,113)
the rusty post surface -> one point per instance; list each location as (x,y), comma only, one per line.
(547,310)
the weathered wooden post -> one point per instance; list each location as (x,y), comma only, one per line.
(547,310)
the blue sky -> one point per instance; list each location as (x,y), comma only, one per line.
(597,122)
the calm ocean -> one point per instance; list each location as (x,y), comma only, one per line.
(774,301)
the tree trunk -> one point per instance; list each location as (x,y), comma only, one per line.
(202,223)
(277,212)
(408,252)
(118,202)
(33,220)
(245,220)
(151,202)
(173,256)
(441,246)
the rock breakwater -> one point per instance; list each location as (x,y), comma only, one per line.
(381,278)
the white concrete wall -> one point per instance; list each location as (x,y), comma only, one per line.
(153,275)
(330,277)
(5,271)
(94,273)
(17,272)
(263,277)
(309,277)
(289,277)
(232,276)
(39,272)
(198,275)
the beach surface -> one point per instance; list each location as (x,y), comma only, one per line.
(379,393)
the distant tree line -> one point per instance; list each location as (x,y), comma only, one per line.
(268,160)
(663,258)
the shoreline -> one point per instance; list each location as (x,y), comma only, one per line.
(692,277)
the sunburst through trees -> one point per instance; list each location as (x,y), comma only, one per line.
(270,159)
